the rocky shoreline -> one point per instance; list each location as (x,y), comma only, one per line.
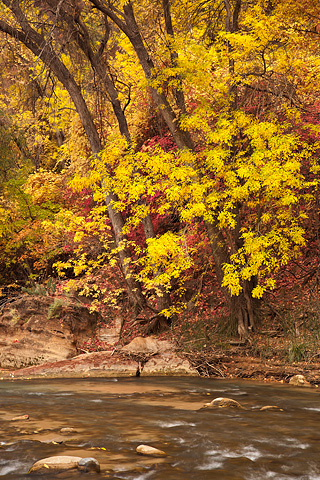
(109,364)
(43,336)
(143,356)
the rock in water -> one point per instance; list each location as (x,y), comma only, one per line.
(270,407)
(89,464)
(151,451)
(20,417)
(299,381)
(67,430)
(56,463)
(222,402)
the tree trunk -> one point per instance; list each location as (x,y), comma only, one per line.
(163,300)
(131,29)
(243,308)
(178,92)
(160,322)
(244,311)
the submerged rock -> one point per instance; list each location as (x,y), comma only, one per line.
(89,464)
(299,381)
(222,402)
(67,430)
(56,463)
(270,407)
(151,451)
(20,417)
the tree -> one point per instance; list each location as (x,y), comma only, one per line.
(228,79)
(247,49)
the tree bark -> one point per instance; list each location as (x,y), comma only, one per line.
(178,91)
(244,311)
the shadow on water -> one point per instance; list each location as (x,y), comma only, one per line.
(111,417)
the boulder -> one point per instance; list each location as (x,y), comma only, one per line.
(299,381)
(168,363)
(157,357)
(147,345)
(56,463)
(39,329)
(222,402)
(150,451)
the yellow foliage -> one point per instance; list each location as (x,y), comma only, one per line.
(166,258)
(45,186)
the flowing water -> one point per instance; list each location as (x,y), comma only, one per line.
(113,416)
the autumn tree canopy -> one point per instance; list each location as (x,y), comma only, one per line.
(167,144)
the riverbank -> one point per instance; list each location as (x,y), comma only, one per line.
(37,333)
(231,365)
(237,366)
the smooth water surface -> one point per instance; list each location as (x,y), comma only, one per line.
(113,416)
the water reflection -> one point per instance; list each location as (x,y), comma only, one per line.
(111,417)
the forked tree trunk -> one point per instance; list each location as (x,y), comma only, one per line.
(163,299)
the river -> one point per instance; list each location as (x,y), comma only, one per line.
(113,416)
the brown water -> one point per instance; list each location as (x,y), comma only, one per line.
(113,416)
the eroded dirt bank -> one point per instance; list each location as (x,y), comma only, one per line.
(220,366)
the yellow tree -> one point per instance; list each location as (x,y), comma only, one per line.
(246,181)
